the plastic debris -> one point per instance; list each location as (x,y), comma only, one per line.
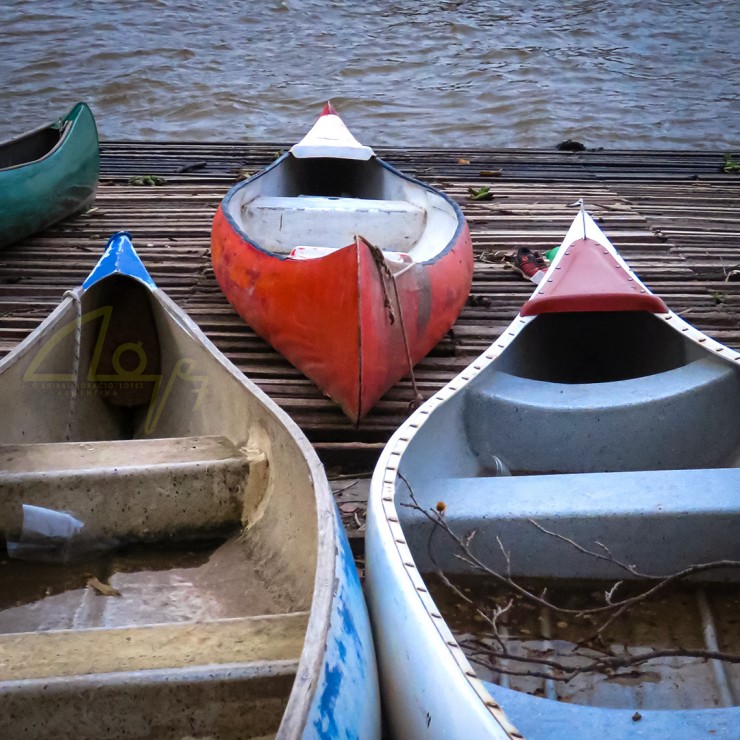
(53,536)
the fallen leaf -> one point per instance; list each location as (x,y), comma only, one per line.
(103,588)
(463,161)
(484,193)
(147,180)
(348,508)
(491,173)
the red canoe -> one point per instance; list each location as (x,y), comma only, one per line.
(350,269)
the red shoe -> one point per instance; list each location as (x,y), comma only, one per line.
(530,264)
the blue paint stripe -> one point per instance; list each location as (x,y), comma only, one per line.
(119,258)
(346,703)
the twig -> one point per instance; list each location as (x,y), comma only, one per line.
(607,662)
(385,272)
(599,556)
(507,556)
(350,476)
(610,593)
(345,488)
(477,564)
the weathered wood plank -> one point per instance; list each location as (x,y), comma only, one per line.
(673,214)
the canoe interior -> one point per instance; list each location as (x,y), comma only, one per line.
(48,174)
(123,419)
(325,202)
(592,347)
(29,147)
(563,398)
(673,619)
(620,434)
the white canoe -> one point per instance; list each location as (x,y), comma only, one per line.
(619,422)
(125,425)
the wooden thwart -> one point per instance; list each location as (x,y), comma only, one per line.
(96,651)
(133,489)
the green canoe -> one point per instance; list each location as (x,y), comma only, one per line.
(48,174)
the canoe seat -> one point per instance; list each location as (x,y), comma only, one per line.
(139,489)
(72,652)
(661,520)
(230,677)
(394,259)
(681,418)
(280,223)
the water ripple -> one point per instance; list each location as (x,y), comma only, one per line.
(403,72)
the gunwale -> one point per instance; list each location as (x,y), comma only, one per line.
(67,126)
(239,229)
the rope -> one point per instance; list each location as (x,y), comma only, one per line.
(384,271)
(75,363)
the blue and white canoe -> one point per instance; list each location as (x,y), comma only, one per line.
(598,420)
(126,428)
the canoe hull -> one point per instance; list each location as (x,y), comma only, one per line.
(346,701)
(424,689)
(327,315)
(555,372)
(40,193)
(308,588)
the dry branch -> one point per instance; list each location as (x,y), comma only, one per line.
(491,655)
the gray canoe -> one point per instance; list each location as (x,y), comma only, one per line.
(596,438)
(125,428)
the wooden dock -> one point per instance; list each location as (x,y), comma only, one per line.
(674,216)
